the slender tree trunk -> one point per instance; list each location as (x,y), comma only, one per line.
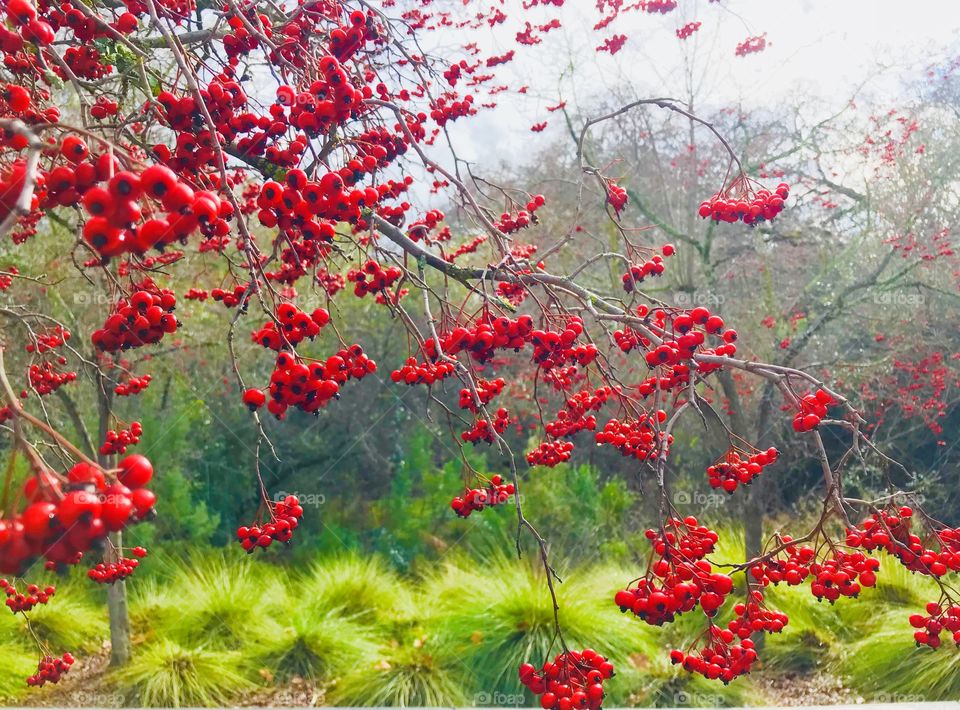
(759,489)
(116,592)
(752,508)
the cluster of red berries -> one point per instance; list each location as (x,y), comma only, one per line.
(509,223)
(294,326)
(373,278)
(104,107)
(309,387)
(284,518)
(450,107)
(688,29)
(550,453)
(749,207)
(651,267)
(483,338)
(573,417)
(64,520)
(939,618)
(331,98)
(482,430)
(231,299)
(7,279)
(142,319)
(890,530)
(557,347)
(753,617)
(421,228)
(117,441)
(133,385)
(48,340)
(680,578)
(640,438)
(476,499)
(310,209)
(660,6)
(813,408)
(486,391)
(18,602)
(720,657)
(573,681)
(751,45)
(843,575)
(683,335)
(736,469)
(51,670)
(654,603)
(22,14)
(793,570)
(116,209)
(617,196)
(414,373)
(45,378)
(110,572)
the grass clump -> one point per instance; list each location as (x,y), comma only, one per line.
(316,646)
(409,675)
(18,663)
(165,674)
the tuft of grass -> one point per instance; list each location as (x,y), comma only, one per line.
(411,675)
(498,615)
(215,599)
(68,623)
(18,664)
(362,587)
(316,646)
(165,674)
(888,661)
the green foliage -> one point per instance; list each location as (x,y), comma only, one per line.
(214,599)
(888,662)
(415,674)
(70,622)
(496,613)
(18,663)
(360,587)
(316,645)
(181,515)
(165,674)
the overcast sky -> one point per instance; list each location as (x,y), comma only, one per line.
(819,50)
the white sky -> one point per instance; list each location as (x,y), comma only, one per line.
(819,51)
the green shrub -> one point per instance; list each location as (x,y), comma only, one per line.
(216,598)
(316,645)
(498,613)
(18,664)
(415,674)
(361,587)
(165,674)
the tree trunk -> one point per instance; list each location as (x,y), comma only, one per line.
(752,509)
(116,592)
